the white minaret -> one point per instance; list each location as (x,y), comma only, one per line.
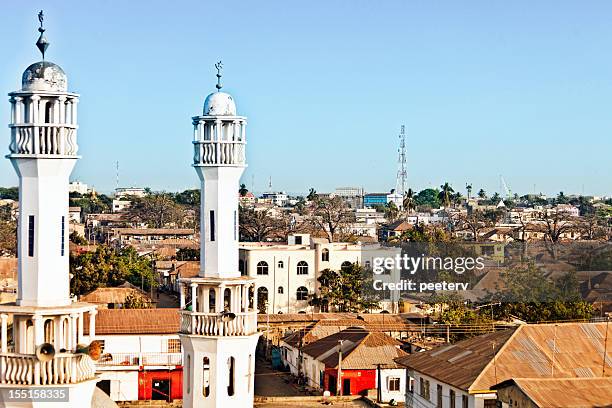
(43,151)
(218,312)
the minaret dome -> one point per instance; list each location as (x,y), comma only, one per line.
(44,76)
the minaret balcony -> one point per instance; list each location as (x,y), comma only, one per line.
(27,369)
(43,139)
(215,324)
(219,153)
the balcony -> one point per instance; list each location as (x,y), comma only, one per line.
(64,368)
(139,359)
(214,324)
(219,153)
(48,139)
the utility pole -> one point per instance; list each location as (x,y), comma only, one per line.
(379,385)
(339,387)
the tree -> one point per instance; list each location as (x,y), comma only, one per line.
(312,194)
(8,237)
(188,254)
(109,267)
(75,238)
(496,198)
(468,187)
(243,190)
(529,295)
(482,194)
(256,225)
(391,211)
(330,215)
(427,198)
(592,227)
(445,194)
(561,198)
(136,301)
(345,290)
(91,203)
(9,193)
(475,222)
(157,210)
(408,202)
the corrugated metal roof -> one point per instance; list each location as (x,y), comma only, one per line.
(565,392)
(534,351)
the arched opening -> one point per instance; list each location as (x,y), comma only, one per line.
(262,299)
(281,264)
(211,300)
(280,290)
(262,268)
(301,293)
(65,334)
(230,366)
(30,346)
(251,297)
(346,266)
(227,299)
(325,255)
(49,329)
(302,268)
(241,267)
(206,377)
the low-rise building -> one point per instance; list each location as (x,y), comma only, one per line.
(463,375)
(141,354)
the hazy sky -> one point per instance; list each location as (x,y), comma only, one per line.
(516,88)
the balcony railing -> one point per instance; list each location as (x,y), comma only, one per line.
(219,153)
(26,369)
(213,324)
(52,139)
(140,359)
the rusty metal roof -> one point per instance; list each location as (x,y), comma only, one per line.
(135,321)
(534,351)
(564,392)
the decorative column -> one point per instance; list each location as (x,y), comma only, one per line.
(80,329)
(182,295)
(73,330)
(194,288)
(92,324)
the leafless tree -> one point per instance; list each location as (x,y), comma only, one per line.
(330,215)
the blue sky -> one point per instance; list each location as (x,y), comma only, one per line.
(521,89)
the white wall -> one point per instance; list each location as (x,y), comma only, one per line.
(414,399)
(124,384)
(134,343)
(387,374)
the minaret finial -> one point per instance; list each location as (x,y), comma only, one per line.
(219,66)
(42,42)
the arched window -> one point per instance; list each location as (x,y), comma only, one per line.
(241,267)
(302,293)
(262,268)
(346,266)
(188,374)
(206,377)
(281,264)
(280,290)
(302,268)
(227,299)
(262,299)
(325,255)
(211,300)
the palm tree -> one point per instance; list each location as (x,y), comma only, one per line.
(482,194)
(445,195)
(408,201)
(243,190)
(457,197)
(468,187)
(312,194)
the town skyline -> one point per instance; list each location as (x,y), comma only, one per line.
(306,94)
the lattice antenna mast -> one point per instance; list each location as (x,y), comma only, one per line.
(402,174)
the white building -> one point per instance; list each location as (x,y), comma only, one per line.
(279,199)
(141,354)
(286,274)
(130,192)
(121,205)
(219,326)
(78,187)
(47,325)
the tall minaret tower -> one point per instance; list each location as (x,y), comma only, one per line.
(47,325)
(219,315)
